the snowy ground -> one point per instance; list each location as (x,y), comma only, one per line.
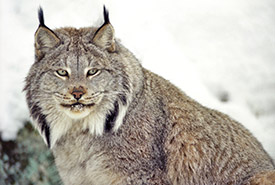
(219,52)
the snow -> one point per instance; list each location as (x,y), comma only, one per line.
(220,53)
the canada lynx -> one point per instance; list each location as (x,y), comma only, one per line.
(110,121)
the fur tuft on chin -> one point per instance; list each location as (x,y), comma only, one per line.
(103,120)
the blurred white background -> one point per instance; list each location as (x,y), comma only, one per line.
(220,52)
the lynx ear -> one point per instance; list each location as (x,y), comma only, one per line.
(45,38)
(104,36)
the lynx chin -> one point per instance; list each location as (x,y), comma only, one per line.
(108,120)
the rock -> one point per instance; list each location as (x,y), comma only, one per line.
(27,160)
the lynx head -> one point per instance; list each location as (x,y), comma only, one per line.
(80,76)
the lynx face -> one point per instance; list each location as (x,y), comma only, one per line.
(80,85)
(79,77)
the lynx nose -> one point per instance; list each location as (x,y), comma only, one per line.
(78,92)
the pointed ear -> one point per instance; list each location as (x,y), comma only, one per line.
(104,37)
(45,38)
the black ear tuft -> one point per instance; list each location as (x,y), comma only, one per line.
(41,17)
(106,15)
(104,35)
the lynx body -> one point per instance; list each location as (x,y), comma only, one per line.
(110,121)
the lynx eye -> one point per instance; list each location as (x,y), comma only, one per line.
(62,72)
(92,72)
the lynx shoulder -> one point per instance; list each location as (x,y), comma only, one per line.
(110,121)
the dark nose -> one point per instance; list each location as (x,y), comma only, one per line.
(78,92)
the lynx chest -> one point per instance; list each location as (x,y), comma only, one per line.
(82,160)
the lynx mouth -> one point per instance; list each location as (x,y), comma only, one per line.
(77,106)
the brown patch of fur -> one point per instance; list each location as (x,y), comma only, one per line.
(264,178)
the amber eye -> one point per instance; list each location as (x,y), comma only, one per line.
(62,72)
(92,72)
